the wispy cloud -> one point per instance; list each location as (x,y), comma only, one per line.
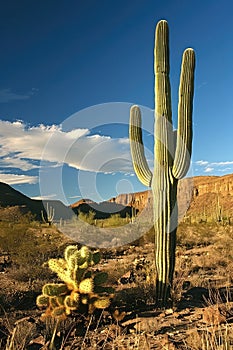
(50,196)
(15,162)
(222,163)
(202,162)
(15,179)
(208,170)
(6,95)
(214,167)
(201,85)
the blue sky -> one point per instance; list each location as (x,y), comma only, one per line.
(70,72)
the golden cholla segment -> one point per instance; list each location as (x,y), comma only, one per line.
(59,312)
(75,296)
(54,289)
(42,300)
(102,303)
(56,265)
(84,252)
(70,250)
(86,286)
(53,302)
(70,303)
(60,299)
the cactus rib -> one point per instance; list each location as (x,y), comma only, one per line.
(185,107)
(137,151)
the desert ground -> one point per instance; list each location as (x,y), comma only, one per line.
(200,318)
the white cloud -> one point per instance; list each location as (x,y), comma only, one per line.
(21,145)
(13,179)
(201,162)
(50,196)
(15,162)
(225,169)
(215,167)
(222,163)
(208,170)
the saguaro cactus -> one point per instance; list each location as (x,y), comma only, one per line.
(172,150)
(48,218)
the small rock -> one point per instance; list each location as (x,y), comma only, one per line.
(213,315)
(168,312)
(128,277)
(39,340)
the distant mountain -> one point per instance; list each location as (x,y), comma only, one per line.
(11,197)
(197,196)
(102,210)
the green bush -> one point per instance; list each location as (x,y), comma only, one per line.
(29,247)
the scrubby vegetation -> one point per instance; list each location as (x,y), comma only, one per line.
(202,292)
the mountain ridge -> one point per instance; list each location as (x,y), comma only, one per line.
(11,197)
(196,196)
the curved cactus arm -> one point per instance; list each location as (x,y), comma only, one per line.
(140,164)
(184,132)
(43,217)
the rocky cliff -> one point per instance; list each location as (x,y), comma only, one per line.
(195,195)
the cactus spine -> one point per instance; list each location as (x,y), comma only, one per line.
(172,150)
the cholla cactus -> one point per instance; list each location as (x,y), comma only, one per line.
(82,288)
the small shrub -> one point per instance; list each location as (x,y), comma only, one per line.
(89,217)
(115,220)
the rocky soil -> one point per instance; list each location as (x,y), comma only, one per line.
(202,310)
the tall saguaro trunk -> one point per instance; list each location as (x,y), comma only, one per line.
(172,151)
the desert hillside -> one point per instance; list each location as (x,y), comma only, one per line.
(9,197)
(198,197)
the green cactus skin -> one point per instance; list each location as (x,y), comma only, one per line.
(69,251)
(42,300)
(96,258)
(70,303)
(59,312)
(54,289)
(172,151)
(100,278)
